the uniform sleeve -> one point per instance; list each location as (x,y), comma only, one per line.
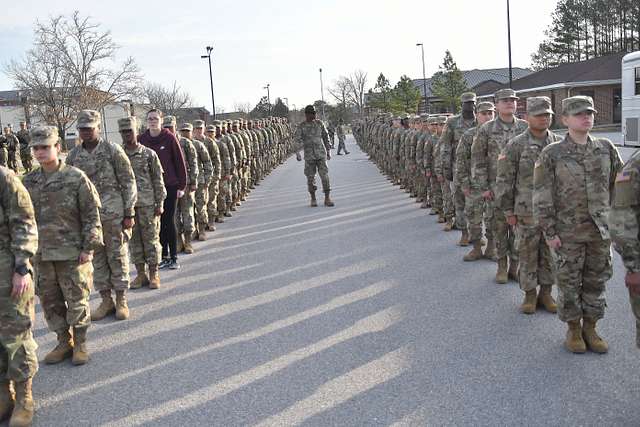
(21,219)
(480,161)
(126,180)
(437,159)
(325,137)
(462,162)
(543,204)
(446,150)
(616,166)
(192,159)
(623,218)
(159,190)
(506,179)
(206,163)
(216,160)
(89,204)
(428,155)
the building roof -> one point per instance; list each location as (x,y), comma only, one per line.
(477,77)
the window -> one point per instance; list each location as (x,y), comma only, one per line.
(637,81)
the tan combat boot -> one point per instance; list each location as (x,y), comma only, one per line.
(513,270)
(594,342)
(22,415)
(502,276)
(106,307)
(211,226)
(154,277)
(529,304)
(424,205)
(7,399)
(80,351)
(476,253)
(574,342)
(464,239)
(141,278)
(188,249)
(63,350)
(546,300)
(441,218)
(449,225)
(314,202)
(434,211)
(490,250)
(327,200)
(122,309)
(202,233)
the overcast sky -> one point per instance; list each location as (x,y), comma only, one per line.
(284,43)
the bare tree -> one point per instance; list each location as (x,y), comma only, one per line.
(63,72)
(340,90)
(167,99)
(357,83)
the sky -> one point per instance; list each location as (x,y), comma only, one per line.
(284,43)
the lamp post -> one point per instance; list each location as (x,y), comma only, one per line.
(424,78)
(213,101)
(268,97)
(509,41)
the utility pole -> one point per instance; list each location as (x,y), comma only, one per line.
(213,100)
(268,97)
(322,93)
(424,78)
(509,41)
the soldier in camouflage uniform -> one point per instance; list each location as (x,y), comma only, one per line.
(341,137)
(312,136)
(444,193)
(216,163)
(205,176)
(109,169)
(452,133)
(67,210)
(474,204)
(514,198)
(226,169)
(573,182)
(18,243)
(4,155)
(420,178)
(487,145)
(25,152)
(435,190)
(624,226)
(144,245)
(12,144)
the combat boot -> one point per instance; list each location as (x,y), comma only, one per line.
(594,342)
(220,219)
(441,218)
(7,400)
(546,300)
(448,226)
(188,249)
(80,351)
(574,342)
(202,234)
(424,205)
(327,200)
(490,250)
(434,211)
(476,253)
(464,239)
(22,415)
(529,304)
(502,276)
(211,226)
(314,202)
(105,308)
(513,270)
(63,350)
(154,277)
(122,309)
(141,279)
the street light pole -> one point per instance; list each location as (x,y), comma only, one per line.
(424,78)
(268,97)
(509,41)
(213,100)
(322,93)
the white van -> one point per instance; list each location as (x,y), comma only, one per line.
(631,99)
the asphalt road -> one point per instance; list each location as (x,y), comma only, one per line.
(361,314)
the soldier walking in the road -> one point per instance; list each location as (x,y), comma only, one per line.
(25,151)
(109,169)
(573,183)
(67,212)
(144,245)
(18,243)
(514,198)
(341,137)
(312,136)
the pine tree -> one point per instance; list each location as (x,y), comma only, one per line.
(449,83)
(406,96)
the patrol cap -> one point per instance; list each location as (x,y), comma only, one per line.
(537,105)
(127,123)
(505,94)
(198,124)
(88,119)
(468,97)
(186,126)
(485,106)
(43,135)
(217,123)
(211,128)
(577,104)
(169,121)
(235,123)
(309,109)
(22,123)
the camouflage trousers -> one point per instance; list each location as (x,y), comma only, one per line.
(459,206)
(635,307)
(18,360)
(12,160)
(212,204)
(4,156)
(201,201)
(534,256)
(26,159)
(505,237)
(447,199)
(311,167)
(421,185)
(582,270)
(145,237)
(478,212)
(63,288)
(223,196)
(111,261)
(436,194)
(256,170)
(235,186)
(185,219)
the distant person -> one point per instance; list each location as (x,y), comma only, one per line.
(340,133)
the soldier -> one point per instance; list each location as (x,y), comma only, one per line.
(474,205)
(215,133)
(331,131)
(312,136)
(109,169)
(225,139)
(446,202)
(624,228)
(18,243)
(25,152)
(454,128)
(340,133)
(4,155)
(12,144)
(145,237)
(514,198)
(435,190)
(67,210)
(216,162)
(573,181)
(487,146)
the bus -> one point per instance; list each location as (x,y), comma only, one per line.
(631,99)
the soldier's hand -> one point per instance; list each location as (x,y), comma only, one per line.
(192,188)
(128,222)
(554,243)
(180,194)
(488,195)
(20,285)
(85,257)
(298,157)
(159,211)
(328,155)
(512,220)
(632,280)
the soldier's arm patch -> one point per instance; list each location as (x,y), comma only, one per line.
(623,176)
(625,194)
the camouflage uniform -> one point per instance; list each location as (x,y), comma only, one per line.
(214,188)
(4,154)
(205,176)
(18,243)
(185,220)
(313,137)
(25,151)
(12,146)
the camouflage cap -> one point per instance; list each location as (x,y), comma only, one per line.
(485,106)
(88,119)
(211,128)
(505,94)
(127,123)
(198,124)
(186,126)
(577,104)
(468,97)
(217,123)
(43,135)
(169,121)
(537,105)
(235,123)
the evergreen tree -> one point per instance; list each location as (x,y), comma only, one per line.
(449,83)
(406,96)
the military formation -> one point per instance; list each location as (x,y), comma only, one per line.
(72,226)
(545,208)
